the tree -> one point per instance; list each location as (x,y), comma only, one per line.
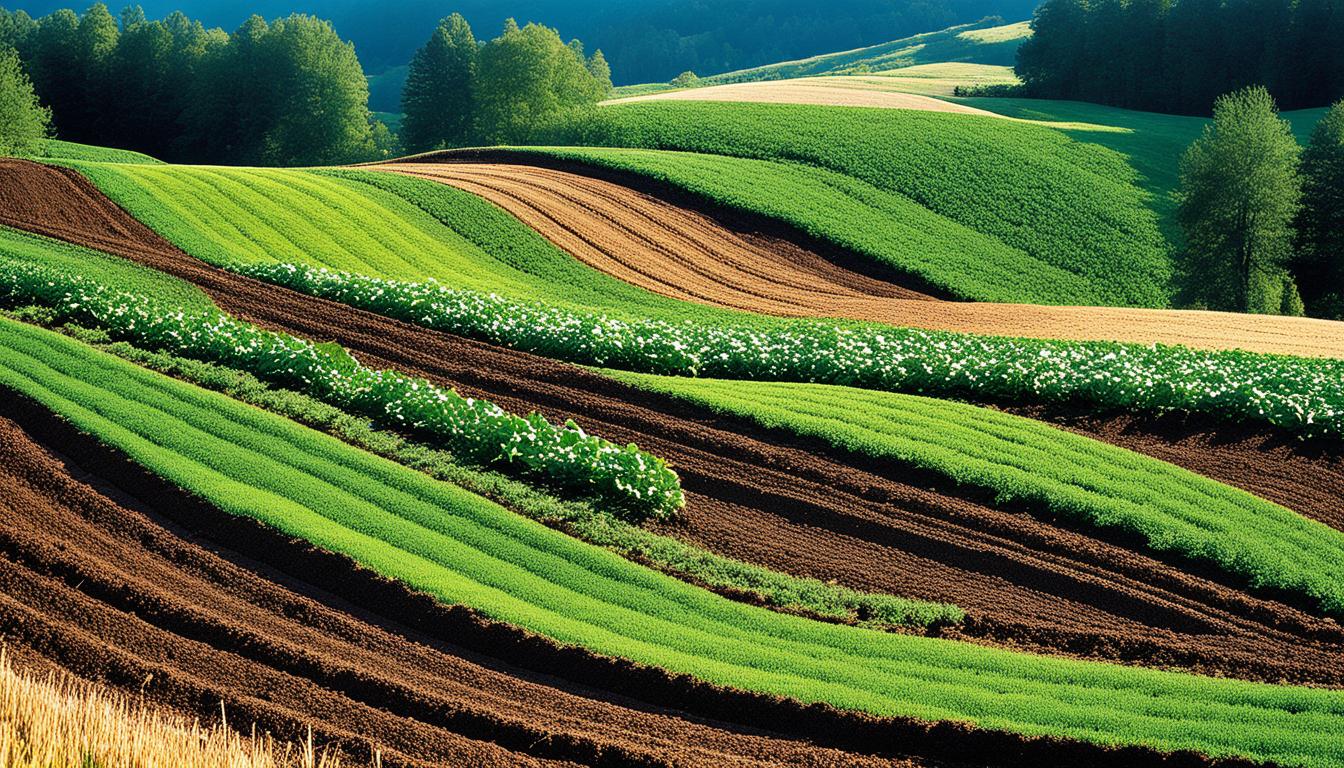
(601,71)
(23,122)
(1319,263)
(16,31)
(687,79)
(1239,194)
(528,78)
(324,96)
(438,100)
(131,15)
(1050,62)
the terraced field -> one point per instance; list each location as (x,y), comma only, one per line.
(321,444)
(672,250)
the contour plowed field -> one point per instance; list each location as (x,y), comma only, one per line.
(803,508)
(627,231)
(107,586)
(822,92)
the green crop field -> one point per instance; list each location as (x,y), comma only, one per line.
(1018,460)
(466,550)
(55,150)
(370,223)
(1076,206)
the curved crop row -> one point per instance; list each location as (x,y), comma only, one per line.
(1302,395)
(1075,477)
(393,227)
(1074,205)
(466,550)
(886,227)
(478,429)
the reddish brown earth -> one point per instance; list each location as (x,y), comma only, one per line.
(112,588)
(645,234)
(801,507)
(109,571)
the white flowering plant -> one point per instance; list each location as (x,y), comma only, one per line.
(1301,395)
(635,482)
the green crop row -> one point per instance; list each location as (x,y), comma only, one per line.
(886,227)
(373,223)
(442,540)
(1049,469)
(1074,205)
(478,429)
(1301,395)
(591,522)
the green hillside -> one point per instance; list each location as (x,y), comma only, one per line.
(1076,206)
(985,42)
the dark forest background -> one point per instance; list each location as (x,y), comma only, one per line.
(644,40)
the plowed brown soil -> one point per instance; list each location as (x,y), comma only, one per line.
(628,227)
(110,588)
(800,507)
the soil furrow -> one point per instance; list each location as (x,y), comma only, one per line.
(636,229)
(800,507)
(113,589)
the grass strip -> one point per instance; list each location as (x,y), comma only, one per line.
(1021,461)
(464,549)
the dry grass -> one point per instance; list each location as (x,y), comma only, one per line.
(55,721)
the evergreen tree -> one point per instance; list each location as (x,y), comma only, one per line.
(1319,264)
(1239,195)
(437,100)
(54,69)
(601,71)
(23,122)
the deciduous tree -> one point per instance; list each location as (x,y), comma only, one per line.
(1239,194)
(23,122)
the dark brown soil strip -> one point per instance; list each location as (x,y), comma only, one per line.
(110,572)
(798,507)
(1301,475)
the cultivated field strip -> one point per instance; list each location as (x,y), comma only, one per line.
(831,92)
(1020,461)
(1024,583)
(618,225)
(212,625)
(466,550)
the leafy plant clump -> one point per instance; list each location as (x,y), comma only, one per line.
(1301,395)
(636,481)
(594,523)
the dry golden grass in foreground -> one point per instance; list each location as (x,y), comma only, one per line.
(54,721)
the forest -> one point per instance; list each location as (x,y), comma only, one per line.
(1178,56)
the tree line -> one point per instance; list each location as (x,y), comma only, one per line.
(1264,220)
(504,91)
(1178,56)
(286,92)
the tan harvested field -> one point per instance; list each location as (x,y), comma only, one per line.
(700,256)
(823,91)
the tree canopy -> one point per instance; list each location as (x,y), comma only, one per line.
(23,122)
(1238,198)
(438,100)
(504,91)
(286,93)
(1179,55)
(1319,263)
